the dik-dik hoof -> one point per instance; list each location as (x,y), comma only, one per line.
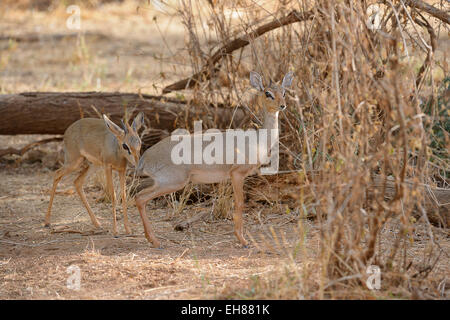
(157,245)
(98,226)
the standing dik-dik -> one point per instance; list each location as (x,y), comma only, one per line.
(101,143)
(157,162)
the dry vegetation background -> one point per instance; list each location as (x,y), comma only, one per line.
(364,138)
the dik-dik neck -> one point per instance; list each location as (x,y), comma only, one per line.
(271,123)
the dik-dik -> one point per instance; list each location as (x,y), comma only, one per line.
(167,177)
(99,142)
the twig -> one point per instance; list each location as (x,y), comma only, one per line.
(435,12)
(22,151)
(430,50)
(185,224)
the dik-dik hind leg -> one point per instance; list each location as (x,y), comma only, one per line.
(59,174)
(158,189)
(124,201)
(79,188)
(110,188)
(237,180)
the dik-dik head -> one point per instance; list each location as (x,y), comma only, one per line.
(127,137)
(271,97)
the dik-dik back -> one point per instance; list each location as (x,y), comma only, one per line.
(91,139)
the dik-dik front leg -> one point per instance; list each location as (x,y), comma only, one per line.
(110,188)
(124,200)
(166,182)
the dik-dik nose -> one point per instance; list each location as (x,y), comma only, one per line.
(136,160)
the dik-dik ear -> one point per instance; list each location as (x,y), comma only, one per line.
(287,80)
(138,122)
(256,81)
(115,129)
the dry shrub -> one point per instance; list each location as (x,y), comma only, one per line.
(356,112)
(178,204)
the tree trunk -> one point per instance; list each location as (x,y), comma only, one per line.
(52,113)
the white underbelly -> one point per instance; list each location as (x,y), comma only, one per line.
(209,176)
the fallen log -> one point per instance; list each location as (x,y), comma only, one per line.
(436,200)
(53,112)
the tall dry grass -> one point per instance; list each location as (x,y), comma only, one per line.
(358,111)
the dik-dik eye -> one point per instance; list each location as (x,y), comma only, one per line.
(126,148)
(269,95)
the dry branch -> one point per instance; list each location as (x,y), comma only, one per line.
(431,10)
(183,225)
(430,51)
(236,44)
(28,147)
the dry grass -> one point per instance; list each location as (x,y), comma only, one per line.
(355,110)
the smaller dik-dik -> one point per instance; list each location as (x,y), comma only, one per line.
(167,177)
(101,143)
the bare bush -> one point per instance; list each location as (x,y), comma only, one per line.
(357,114)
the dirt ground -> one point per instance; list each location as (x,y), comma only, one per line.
(126,53)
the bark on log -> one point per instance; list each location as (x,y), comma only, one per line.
(437,200)
(52,113)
